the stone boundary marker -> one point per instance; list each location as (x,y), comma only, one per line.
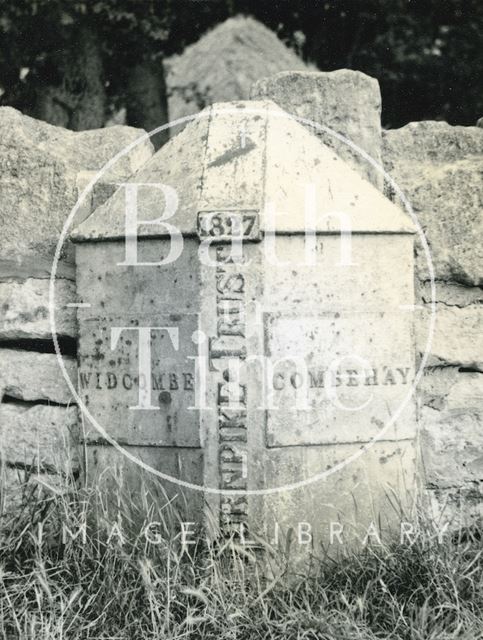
(437,165)
(216,431)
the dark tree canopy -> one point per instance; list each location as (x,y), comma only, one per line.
(85,59)
(426,54)
(72,63)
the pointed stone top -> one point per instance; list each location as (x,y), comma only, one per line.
(249,156)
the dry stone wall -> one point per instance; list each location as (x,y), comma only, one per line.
(439,167)
(43,171)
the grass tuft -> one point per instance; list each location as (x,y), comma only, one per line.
(100,581)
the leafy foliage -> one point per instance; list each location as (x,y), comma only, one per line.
(426,54)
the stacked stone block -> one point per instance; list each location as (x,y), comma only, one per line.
(440,170)
(43,171)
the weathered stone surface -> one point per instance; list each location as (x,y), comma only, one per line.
(347,102)
(440,170)
(31,376)
(39,165)
(457,339)
(236,180)
(435,385)
(448,201)
(24,309)
(432,142)
(454,509)
(297,326)
(451,294)
(452,431)
(353,497)
(224,64)
(42,435)
(19,268)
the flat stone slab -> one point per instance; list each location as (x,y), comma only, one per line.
(38,435)
(24,309)
(458,336)
(451,294)
(31,376)
(439,167)
(40,166)
(103,376)
(452,433)
(456,508)
(345,101)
